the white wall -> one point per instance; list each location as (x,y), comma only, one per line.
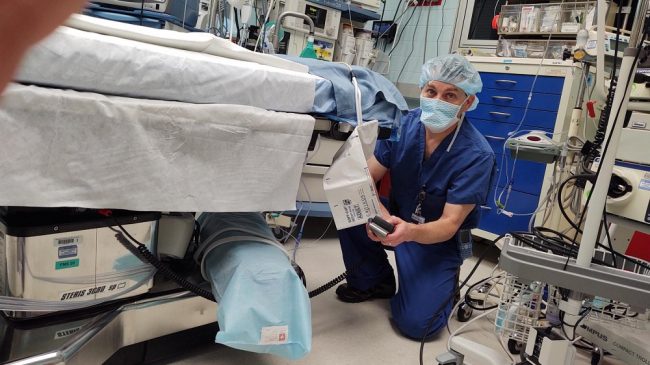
(437,27)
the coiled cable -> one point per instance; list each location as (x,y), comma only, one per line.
(142,252)
(329,285)
(594,148)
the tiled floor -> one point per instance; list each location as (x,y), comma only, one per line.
(352,333)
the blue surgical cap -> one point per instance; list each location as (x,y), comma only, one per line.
(453,69)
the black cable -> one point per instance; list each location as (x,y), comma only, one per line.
(636,261)
(468,299)
(237,24)
(609,239)
(609,138)
(381,20)
(162,268)
(575,326)
(142,12)
(399,3)
(453,294)
(399,38)
(442,27)
(564,249)
(412,46)
(329,285)
(560,196)
(604,116)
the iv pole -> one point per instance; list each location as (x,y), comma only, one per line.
(614,127)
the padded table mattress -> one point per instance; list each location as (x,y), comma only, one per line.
(87,61)
(81,149)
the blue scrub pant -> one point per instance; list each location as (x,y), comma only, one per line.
(426,274)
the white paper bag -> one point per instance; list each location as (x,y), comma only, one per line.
(349,188)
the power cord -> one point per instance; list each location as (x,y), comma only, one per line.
(142,13)
(143,252)
(453,294)
(412,46)
(609,138)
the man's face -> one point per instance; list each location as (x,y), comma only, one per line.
(447,92)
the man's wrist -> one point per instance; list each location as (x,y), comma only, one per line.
(412,232)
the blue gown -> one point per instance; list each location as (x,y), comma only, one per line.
(426,273)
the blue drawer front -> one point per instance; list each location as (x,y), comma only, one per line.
(528,176)
(499,224)
(495,133)
(503,114)
(502,81)
(538,101)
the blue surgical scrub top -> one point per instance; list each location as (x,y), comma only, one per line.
(461,176)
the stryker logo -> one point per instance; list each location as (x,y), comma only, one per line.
(594,332)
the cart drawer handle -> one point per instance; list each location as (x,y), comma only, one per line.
(495,137)
(500,114)
(507,82)
(506,98)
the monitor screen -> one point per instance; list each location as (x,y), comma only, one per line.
(318,15)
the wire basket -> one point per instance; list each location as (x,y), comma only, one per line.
(519,308)
(607,310)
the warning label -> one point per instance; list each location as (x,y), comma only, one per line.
(274,335)
(355,211)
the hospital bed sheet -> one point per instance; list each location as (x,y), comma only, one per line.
(80,149)
(87,61)
(380,98)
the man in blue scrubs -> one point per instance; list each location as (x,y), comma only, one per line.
(441,170)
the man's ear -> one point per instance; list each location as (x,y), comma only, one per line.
(469,102)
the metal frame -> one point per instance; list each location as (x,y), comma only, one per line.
(98,338)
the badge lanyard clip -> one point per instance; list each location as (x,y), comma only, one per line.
(417,215)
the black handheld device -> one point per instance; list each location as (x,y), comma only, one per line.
(380,227)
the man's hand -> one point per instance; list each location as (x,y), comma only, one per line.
(17,34)
(402,232)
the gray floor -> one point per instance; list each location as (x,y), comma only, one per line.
(352,333)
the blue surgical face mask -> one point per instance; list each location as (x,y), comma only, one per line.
(438,115)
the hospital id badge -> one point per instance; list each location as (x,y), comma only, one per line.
(417,218)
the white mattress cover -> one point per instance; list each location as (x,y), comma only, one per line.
(80,60)
(68,148)
(194,41)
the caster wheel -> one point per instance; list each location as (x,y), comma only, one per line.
(597,356)
(515,347)
(464,313)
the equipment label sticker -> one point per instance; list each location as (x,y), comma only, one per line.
(88,293)
(66,264)
(67,251)
(67,241)
(274,335)
(645,182)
